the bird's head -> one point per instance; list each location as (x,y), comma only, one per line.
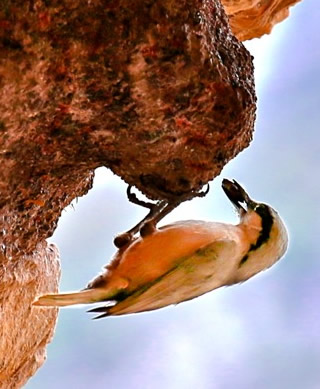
(266,233)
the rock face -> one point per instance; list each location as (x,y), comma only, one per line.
(25,330)
(160,92)
(253,18)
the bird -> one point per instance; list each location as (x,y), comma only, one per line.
(183,260)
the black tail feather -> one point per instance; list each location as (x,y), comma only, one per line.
(101,316)
(104,310)
(98,310)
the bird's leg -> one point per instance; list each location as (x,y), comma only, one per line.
(157,212)
(150,225)
(154,208)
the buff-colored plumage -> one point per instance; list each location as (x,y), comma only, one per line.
(184,260)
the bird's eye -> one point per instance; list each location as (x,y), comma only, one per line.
(259,208)
(264,211)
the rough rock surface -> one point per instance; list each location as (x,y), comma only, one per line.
(25,330)
(160,92)
(254,18)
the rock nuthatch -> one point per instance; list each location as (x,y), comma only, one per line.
(183,260)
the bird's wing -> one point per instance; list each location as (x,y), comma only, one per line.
(204,270)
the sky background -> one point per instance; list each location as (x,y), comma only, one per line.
(262,334)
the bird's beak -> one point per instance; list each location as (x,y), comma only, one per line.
(237,195)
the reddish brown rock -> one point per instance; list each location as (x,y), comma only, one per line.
(162,93)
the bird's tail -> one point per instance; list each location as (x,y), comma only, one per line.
(82,297)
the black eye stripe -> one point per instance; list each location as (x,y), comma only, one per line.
(267,221)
